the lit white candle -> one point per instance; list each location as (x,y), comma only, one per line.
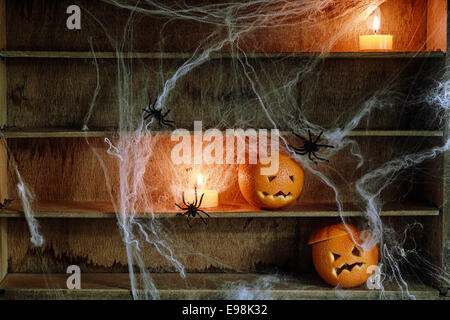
(210,197)
(377,41)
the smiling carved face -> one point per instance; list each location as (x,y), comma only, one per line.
(271,191)
(338,260)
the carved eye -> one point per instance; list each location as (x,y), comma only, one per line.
(292,178)
(356,252)
(336,256)
(270,178)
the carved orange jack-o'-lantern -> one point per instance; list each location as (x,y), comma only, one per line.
(271,191)
(338,260)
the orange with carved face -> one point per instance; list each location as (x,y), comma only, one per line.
(338,260)
(271,191)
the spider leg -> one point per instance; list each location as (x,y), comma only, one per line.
(318,158)
(201,199)
(299,136)
(302,149)
(324,146)
(204,212)
(188,223)
(195,205)
(204,221)
(309,133)
(180,207)
(165,114)
(181,214)
(318,137)
(309,156)
(184,201)
(149,114)
(152,106)
(301,152)
(168,123)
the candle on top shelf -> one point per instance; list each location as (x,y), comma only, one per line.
(376,42)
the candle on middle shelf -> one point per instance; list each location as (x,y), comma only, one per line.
(210,197)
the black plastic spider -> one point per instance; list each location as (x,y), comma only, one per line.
(310,147)
(192,209)
(5,203)
(158,115)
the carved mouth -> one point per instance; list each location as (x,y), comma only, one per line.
(278,195)
(348,267)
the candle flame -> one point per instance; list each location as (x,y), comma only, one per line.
(199,180)
(376,24)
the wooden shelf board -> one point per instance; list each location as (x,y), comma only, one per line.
(73,209)
(61,133)
(224,55)
(194,286)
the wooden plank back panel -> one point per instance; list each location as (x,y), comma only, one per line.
(41,25)
(239,245)
(337,90)
(3,154)
(58,93)
(437,25)
(58,169)
(230,244)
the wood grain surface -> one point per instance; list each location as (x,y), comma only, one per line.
(50,93)
(41,25)
(224,245)
(58,168)
(3,153)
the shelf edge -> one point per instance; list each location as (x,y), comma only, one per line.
(220,215)
(225,55)
(99,133)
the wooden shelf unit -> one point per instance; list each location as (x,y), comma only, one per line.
(19,271)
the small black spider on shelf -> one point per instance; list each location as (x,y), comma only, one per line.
(5,203)
(192,209)
(310,147)
(158,115)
